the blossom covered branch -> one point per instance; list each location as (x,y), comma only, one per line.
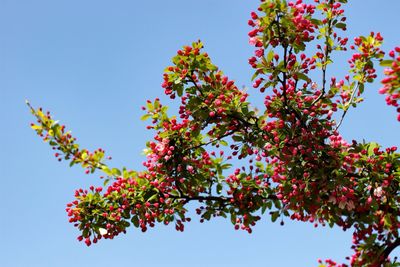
(294,162)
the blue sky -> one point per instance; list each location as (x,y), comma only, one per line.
(93,64)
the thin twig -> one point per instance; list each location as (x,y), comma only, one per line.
(348,107)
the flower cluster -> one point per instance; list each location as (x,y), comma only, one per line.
(391,83)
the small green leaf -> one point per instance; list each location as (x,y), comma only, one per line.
(135,221)
(341,25)
(226,166)
(174,193)
(361,88)
(274,216)
(207,215)
(302,76)
(270,55)
(237,138)
(233,218)
(371,148)
(85,232)
(219,188)
(263,209)
(223,142)
(254,76)
(145,117)
(219,170)
(153,197)
(116,172)
(179,90)
(84,155)
(149,106)
(36,127)
(52,143)
(386,63)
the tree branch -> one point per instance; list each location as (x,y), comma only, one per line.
(386,252)
(328,50)
(350,101)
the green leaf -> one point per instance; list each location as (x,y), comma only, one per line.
(52,143)
(387,220)
(156,104)
(36,127)
(386,63)
(361,88)
(263,209)
(223,142)
(145,117)
(254,76)
(149,106)
(219,188)
(371,148)
(179,90)
(135,221)
(316,21)
(153,197)
(116,172)
(341,25)
(174,193)
(274,216)
(84,155)
(233,218)
(207,215)
(226,166)
(260,165)
(219,170)
(85,232)
(237,138)
(270,55)
(302,76)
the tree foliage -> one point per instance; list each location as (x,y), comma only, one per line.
(293,161)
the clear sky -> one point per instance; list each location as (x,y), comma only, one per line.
(93,63)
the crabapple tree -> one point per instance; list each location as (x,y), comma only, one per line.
(293,161)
